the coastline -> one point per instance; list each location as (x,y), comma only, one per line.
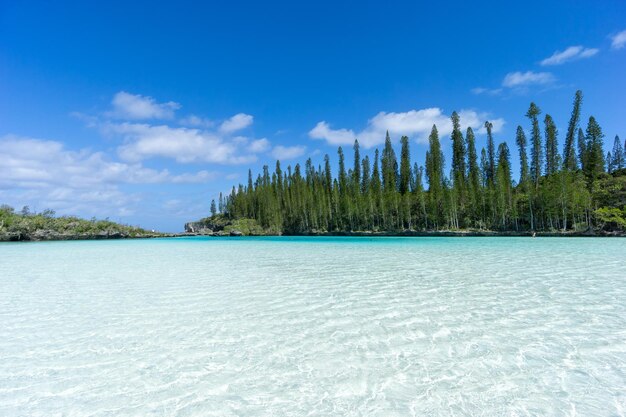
(415,233)
(48,236)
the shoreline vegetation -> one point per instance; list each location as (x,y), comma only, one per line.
(44,226)
(573,190)
(220,226)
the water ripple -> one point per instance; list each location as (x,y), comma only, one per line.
(314,327)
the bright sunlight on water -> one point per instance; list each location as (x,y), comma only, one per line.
(314,326)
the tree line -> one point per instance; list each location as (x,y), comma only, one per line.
(573,189)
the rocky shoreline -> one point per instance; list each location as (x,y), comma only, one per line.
(413,233)
(202,229)
(43,236)
(221,228)
(50,235)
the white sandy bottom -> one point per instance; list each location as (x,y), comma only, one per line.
(301,327)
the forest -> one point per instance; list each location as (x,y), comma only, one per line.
(573,188)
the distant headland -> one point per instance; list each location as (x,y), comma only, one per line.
(28,226)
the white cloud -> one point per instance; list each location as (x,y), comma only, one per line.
(32,163)
(237,122)
(198,177)
(522,79)
(259,145)
(487,91)
(322,130)
(414,123)
(75,181)
(196,139)
(196,121)
(570,54)
(618,41)
(143,141)
(137,107)
(288,152)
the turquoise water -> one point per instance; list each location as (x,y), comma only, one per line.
(314,327)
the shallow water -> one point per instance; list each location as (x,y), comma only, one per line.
(314,326)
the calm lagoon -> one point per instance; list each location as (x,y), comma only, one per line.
(314,326)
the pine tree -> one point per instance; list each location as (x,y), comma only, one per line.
(484,167)
(434,172)
(376,184)
(520,139)
(595,153)
(213,208)
(474,170)
(618,155)
(279,176)
(582,149)
(569,155)
(365,177)
(503,184)
(328,177)
(552,156)
(356,171)
(343,179)
(458,154)
(376,187)
(491,153)
(536,150)
(389,165)
(405,166)
(609,162)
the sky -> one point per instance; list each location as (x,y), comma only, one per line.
(144,112)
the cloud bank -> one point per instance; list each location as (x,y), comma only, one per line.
(416,124)
(75,181)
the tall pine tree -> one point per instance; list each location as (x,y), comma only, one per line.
(434,173)
(618,155)
(405,166)
(536,153)
(491,154)
(520,139)
(552,155)
(595,152)
(569,153)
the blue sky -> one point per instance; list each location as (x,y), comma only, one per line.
(144,112)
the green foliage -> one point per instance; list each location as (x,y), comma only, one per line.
(405,165)
(611,216)
(248,227)
(384,195)
(594,153)
(27,225)
(618,159)
(520,139)
(552,153)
